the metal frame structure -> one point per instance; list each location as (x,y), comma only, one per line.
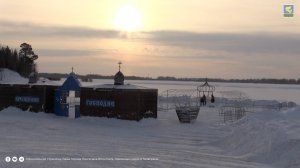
(235,105)
(207,91)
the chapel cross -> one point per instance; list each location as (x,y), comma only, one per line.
(72,100)
(120,65)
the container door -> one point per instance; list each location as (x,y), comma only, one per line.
(60,104)
(57,104)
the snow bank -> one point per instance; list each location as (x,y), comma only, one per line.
(11,77)
(264,139)
(270,137)
(41,135)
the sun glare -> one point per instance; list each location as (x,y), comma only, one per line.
(128,19)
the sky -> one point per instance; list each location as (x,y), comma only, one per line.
(215,38)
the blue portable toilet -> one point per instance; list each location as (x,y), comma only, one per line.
(67,98)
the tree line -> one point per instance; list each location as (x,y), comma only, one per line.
(262,80)
(21,62)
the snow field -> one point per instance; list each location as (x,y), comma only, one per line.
(266,138)
(169,143)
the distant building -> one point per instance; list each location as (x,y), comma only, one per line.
(119,77)
(33,77)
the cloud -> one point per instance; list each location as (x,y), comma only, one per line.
(275,43)
(74,52)
(243,44)
(9,29)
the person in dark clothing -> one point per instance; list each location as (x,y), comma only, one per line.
(204,99)
(212,100)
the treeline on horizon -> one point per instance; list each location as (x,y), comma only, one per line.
(58,76)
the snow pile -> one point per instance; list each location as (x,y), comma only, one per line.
(171,144)
(11,77)
(270,137)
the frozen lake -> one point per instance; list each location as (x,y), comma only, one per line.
(255,91)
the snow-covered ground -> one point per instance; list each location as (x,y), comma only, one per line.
(269,138)
(263,139)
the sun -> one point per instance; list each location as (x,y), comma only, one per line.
(128,18)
